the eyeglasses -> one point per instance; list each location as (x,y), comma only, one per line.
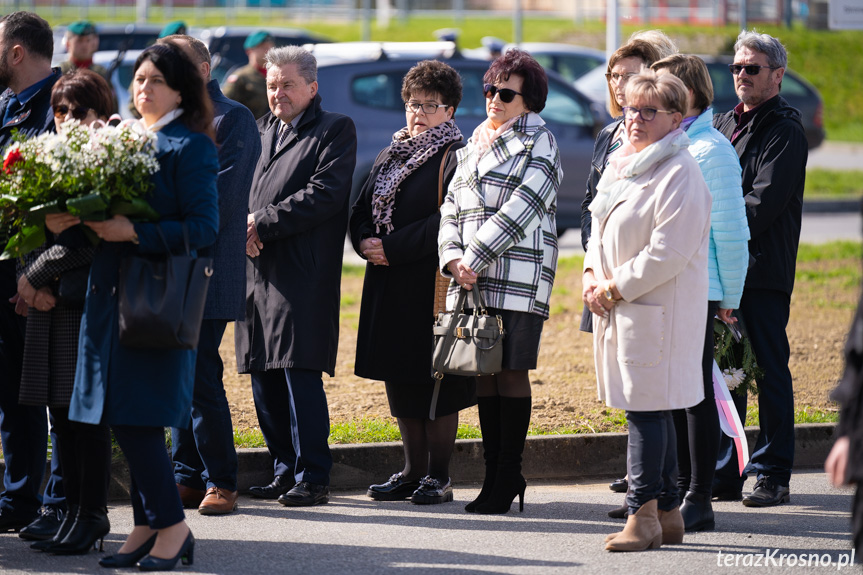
(646,114)
(428,109)
(618,78)
(79,112)
(506,95)
(751,69)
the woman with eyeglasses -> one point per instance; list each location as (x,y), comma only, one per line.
(394,225)
(697,427)
(498,234)
(645,282)
(139,391)
(51,291)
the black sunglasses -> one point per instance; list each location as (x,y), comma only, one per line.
(506,95)
(751,69)
(79,112)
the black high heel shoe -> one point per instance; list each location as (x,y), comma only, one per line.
(68,521)
(504,491)
(120,560)
(90,526)
(186,554)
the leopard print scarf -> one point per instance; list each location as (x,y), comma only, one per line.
(406,154)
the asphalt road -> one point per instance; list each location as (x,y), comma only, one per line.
(561,531)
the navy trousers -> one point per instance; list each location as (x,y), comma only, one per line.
(203,452)
(765,314)
(155,499)
(298,444)
(652,463)
(23,430)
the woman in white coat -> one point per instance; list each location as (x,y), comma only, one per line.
(646,282)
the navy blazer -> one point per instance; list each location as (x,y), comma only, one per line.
(239,148)
(115,384)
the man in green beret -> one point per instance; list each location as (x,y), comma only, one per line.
(172,28)
(81,42)
(248,85)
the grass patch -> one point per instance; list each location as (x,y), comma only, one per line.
(245,438)
(829,252)
(833,184)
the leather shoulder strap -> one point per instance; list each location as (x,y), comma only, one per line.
(440,175)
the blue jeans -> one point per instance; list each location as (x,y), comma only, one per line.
(298,443)
(203,452)
(765,314)
(652,460)
(23,430)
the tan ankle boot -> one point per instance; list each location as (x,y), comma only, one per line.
(642,531)
(672,526)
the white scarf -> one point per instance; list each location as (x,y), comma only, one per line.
(164,120)
(627,163)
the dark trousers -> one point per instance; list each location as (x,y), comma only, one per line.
(84,451)
(203,452)
(23,430)
(697,427)
(765,315)
(652,464)
(155,499)
(298,444)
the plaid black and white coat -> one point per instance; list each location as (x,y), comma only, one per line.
(499,217)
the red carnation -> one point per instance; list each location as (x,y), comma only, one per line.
(13,157)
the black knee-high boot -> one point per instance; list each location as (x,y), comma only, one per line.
(489,422)
(509,482)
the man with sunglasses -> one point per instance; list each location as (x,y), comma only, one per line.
(26,47)
(767,134)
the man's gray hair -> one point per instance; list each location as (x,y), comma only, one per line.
(766,44)
(307,65)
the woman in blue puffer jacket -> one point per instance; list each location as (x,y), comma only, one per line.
(698,427)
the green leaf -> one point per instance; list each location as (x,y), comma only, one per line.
(137,209)
(90,207)
(28,239)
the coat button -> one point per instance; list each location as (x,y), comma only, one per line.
(93,288)
(114,291)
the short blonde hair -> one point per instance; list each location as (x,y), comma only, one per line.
(659,39)
(666,88)
(693,72)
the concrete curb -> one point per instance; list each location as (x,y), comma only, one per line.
(554,457)
(831,206)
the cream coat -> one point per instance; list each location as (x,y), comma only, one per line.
(654,243)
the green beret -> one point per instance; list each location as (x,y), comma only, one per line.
(82,28)
(175,27)
(256,39)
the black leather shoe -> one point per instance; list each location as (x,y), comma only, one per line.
(45,526)
(186,554)
(395,489)
(305,494)
(767,494)
(121,560)
(90,526)
(281,484)
(725,493)
(697,512)
(431,491)
(65,527)
(619,512)
(11,521)
(619,485)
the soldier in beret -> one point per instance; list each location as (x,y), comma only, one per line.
(248,85)
(81,42)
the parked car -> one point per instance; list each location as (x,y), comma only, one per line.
(370,93)
(795,89)
(571,62)
(226,42)
(116,36)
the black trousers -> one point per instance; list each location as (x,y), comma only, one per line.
(155,499)
(697,427)
(84,451)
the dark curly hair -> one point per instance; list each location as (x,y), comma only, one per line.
(86,88)
(183,76)
(534,87)
(433,77)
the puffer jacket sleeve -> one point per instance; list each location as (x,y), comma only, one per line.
(522,213)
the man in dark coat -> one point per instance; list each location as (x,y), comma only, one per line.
(205,461)
(26,47)
(295,241)
(769,138)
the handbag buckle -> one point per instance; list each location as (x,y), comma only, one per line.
(459,332)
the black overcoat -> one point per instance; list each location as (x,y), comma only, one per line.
(299,200)
(394,341)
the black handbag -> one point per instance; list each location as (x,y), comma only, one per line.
(467,343)
(162,298)
(71,288)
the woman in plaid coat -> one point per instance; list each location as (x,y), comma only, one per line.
(498,235)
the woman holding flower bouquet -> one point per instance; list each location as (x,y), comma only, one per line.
(645,281)
(137,391)
(51,290)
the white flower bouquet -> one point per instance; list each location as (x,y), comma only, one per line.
(91,172)
(736,359)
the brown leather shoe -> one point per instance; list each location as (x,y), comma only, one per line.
(191,498)
(218,502)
